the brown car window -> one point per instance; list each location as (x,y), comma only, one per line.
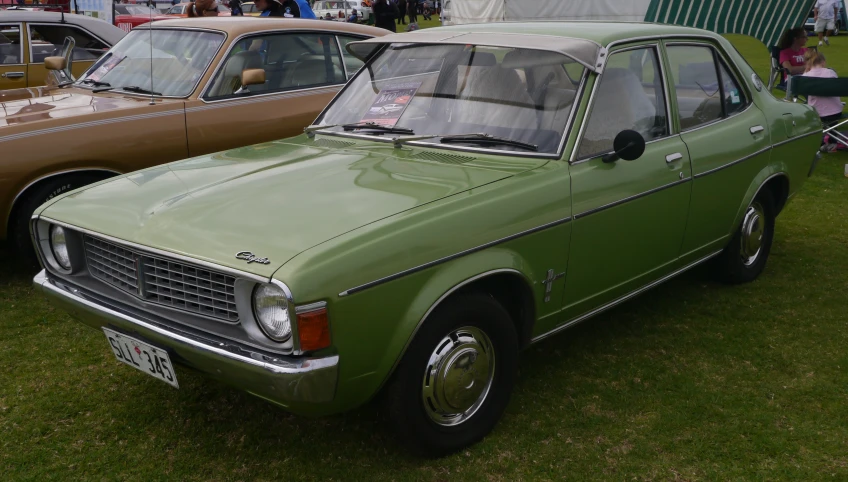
(11,51)
(47,40)
(630,97)
(352,64)
(290,61)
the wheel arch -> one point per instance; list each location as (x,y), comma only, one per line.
(776,181)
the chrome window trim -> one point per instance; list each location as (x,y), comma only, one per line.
(281,94)
(159,252)
(622,299)
(341,55)
(451,257)
(146,26)
(733,73)
(655,46)
(203,93)
(66,24)
(59,173)
(21,49)
(500,152)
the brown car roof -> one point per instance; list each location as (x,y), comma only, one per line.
(235,26)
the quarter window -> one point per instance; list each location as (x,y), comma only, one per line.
(352,64)
(47,40)
(290,61)
(630,96)
(10,45)
(701,97)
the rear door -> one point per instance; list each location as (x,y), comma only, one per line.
(727,137)
(13,70)
(46,40)
(629,216)
(303,71)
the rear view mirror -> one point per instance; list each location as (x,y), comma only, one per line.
(251,77)
(628,145)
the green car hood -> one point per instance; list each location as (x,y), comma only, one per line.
(275,199)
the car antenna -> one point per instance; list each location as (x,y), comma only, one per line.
(150,31)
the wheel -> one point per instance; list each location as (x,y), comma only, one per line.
(744,258)
(455,380)
(50,188)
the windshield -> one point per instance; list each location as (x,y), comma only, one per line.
(517,94)
(180,57)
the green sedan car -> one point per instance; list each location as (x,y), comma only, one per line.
(471,191)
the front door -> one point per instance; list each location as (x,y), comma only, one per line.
(303,71)
(13,71)
(713,105)
(45,40)
(629,216)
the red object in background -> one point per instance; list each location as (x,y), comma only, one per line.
(129,16)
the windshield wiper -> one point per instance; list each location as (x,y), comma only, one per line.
(489,139)
(95,83)
(139,90)
(309,130)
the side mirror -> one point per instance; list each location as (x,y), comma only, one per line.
(251,77)
(54,63)
(628,145)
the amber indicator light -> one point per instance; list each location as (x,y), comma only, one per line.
(313,329)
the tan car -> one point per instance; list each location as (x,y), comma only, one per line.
(114,119)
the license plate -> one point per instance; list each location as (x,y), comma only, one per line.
(137,354)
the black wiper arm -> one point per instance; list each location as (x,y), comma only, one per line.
(139,90)
(489,139)
(96,83)
(373,126)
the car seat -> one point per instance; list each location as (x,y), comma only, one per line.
(229,80)
(495,96)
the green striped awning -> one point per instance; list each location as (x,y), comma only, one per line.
(765,20)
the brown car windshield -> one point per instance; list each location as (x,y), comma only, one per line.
(521,95)
(179,59)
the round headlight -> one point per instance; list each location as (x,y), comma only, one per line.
(59,246)
(271,308)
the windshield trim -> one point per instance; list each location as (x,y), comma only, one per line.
(558,155)
(147,96)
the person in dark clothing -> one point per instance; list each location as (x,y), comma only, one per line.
(412,8)
(269,8)
(235,8)
(401,5)
(385,14)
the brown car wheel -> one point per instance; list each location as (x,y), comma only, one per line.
(42,193)
(455,380)
(745,257)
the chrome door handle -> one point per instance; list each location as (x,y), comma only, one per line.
(673,157)
(757,129)
(12,75)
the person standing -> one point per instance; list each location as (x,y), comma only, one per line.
(305,9)
(385,14)
(401,6)
(202,8)
(235,8)
(825,14)
(412,11)
(269,8)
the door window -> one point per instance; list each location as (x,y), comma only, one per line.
(352,64)
(630,96)
(47,40)
(11,50)
(290,61)
(701,97)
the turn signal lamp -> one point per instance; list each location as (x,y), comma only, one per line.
(313,329)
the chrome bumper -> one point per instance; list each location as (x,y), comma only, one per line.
(291,382)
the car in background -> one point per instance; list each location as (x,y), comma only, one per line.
(249,9)
(118,118)
(27,38)
(128,16)
(524,178)
(181,10)
(340,10)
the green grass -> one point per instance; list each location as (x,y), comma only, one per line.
(691,381)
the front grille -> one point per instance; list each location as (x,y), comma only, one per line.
(163,281)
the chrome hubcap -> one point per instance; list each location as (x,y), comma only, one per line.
(458,376)
(753,229)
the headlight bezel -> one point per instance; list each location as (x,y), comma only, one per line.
(287,307)
(42,234)
(55,253)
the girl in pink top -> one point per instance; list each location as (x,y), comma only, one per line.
(792,51)
(829,108)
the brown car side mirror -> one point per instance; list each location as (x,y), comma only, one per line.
(54,63)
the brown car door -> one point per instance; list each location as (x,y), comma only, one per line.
(13,69)
(46,40)
(303,71)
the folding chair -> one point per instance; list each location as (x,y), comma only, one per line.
(776,72)
(800,86)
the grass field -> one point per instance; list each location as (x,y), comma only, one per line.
(691,381)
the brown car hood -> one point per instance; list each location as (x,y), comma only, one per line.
(61,106)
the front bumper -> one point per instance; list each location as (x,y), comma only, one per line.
(295,383)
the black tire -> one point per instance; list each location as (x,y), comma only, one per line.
(31,200)
(462,314)
(738,263)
